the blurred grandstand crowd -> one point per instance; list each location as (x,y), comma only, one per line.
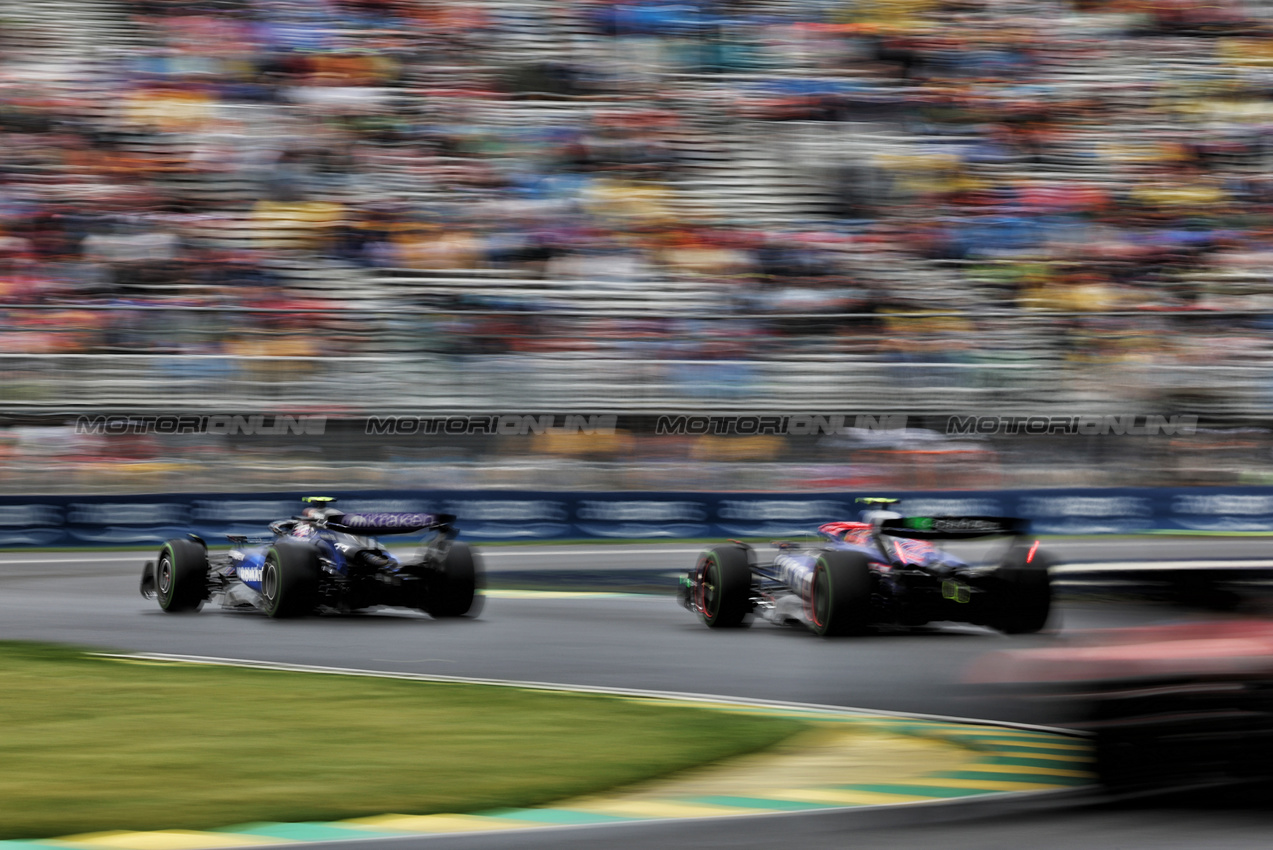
(1077,189)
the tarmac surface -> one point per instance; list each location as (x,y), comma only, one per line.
(647,642)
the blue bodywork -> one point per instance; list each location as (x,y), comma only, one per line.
(322,560)
(914,552)
(247,563)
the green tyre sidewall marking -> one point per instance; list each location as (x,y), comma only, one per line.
(699,574)
(707,571)
(272,604)
(165,598)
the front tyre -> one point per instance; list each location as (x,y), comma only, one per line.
(1024,590)
(723,587)
(181,576)
(290,580)
(839,600)
(453,587)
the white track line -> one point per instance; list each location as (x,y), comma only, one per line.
(88,558)
(1145,566)
(681,696)
(530,552)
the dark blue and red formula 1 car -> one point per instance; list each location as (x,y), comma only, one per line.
(880,572)
(322,560)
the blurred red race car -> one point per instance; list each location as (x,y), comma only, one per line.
(1171,705)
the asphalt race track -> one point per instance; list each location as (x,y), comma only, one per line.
(648,642)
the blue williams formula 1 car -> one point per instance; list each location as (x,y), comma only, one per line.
(322,560)
(880,572)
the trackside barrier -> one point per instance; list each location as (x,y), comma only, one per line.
(527,516)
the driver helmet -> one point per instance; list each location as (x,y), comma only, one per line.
(320,513)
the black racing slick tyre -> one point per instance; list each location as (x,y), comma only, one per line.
(181,576)
(453,586)
(1118,759)
(723,587)
(839,600)
(1023,592)
(290,580)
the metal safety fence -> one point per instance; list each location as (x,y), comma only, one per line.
(418,359)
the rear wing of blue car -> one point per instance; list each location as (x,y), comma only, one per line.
(390,523)
(953,527)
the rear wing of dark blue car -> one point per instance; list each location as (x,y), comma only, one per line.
(953,527)
(390,523)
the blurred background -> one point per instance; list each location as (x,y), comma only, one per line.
(371,207)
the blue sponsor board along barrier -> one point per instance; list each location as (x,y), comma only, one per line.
(145,520)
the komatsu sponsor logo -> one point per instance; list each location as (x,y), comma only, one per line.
(1223,504)
(794,425)
(230,425)
(508,510)
(1041,426)
(503,425)
(125,513)
(240,510)
(1085,506)
(371,506)
(252,574)
(779,509)
(642,511)
(29,515)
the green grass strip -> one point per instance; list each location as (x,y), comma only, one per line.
(89,743)
(1040,779)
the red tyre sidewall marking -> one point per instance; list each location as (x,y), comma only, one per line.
(813,595)
(702,586)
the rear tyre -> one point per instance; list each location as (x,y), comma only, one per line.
(290,580)
(181,576)
(1117,759)
(1133,748)
(723,589)
(1024,593)
(454,584)
(840,595)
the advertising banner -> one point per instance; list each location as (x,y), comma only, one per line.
(527,516)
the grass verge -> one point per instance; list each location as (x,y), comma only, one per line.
(91,743)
